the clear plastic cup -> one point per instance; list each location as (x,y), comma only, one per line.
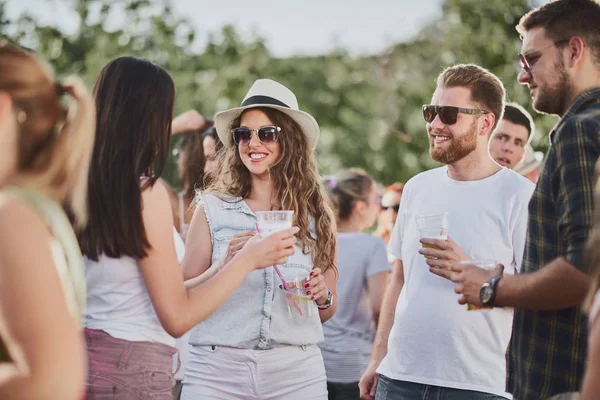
(270,222)
(433,226)
(297,300)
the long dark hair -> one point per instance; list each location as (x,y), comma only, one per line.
(134,104)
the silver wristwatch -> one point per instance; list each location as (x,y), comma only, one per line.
(327,303)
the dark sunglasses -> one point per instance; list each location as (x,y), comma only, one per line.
(524,58)
(448,114)
(266,134)
(396,208)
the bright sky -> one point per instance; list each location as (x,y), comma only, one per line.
(289,26)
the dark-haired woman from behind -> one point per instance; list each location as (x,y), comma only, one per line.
(137,300)
(364,271)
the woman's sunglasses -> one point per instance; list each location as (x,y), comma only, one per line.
(448,114)
(266,134)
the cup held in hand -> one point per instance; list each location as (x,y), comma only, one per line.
(432,226)
(269,222)
(485,264)
(299,304)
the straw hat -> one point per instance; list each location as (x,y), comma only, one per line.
(271,94)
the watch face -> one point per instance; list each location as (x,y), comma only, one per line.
(486,294)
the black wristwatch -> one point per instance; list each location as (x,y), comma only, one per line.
(327,303)
(487,293)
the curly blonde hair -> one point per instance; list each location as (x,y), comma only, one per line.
(296,183)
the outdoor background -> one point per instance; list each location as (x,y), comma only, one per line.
(361,68)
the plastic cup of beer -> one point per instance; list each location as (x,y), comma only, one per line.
(433,226)
(270,222)
(485,264)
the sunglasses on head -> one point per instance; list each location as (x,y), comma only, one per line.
(396,208)
(266,134)
(448,114)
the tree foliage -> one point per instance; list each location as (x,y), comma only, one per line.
(368,107)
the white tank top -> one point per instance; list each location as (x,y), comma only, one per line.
(118,302)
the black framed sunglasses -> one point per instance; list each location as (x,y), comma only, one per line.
(396,208)
(266,134)
(524,58)
(448,114)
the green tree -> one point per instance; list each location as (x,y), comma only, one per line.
(368,107)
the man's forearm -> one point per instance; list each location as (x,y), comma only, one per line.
(556,286)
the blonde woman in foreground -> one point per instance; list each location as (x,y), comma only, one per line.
(45,151)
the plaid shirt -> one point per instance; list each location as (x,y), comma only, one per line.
(547,350)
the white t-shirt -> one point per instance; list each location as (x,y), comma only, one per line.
(434,340)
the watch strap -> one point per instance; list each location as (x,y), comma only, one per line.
(327,303)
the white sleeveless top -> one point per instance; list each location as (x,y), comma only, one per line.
(118,302)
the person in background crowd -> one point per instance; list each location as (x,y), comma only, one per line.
(513,135)
(363,273)
(531,164)
(212,149)
(390,204)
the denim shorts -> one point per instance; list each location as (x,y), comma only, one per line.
(121,369)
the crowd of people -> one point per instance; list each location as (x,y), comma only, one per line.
(478,279)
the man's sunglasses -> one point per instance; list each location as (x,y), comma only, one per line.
(396,208)
(266,134)
(448,114)
(524,58)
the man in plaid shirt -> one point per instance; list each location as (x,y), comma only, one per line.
(560,63)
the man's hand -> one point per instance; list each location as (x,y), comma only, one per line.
(445,255)
(469,280)
(368,382)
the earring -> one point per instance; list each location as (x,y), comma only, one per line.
(21,116)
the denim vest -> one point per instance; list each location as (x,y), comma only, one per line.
(256,315)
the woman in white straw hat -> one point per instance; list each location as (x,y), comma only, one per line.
(251,348)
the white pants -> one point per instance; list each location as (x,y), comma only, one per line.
(284,373)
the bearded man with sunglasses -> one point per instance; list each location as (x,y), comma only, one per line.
(560,63)
(426,343)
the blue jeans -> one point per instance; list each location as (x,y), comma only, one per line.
(390,389)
